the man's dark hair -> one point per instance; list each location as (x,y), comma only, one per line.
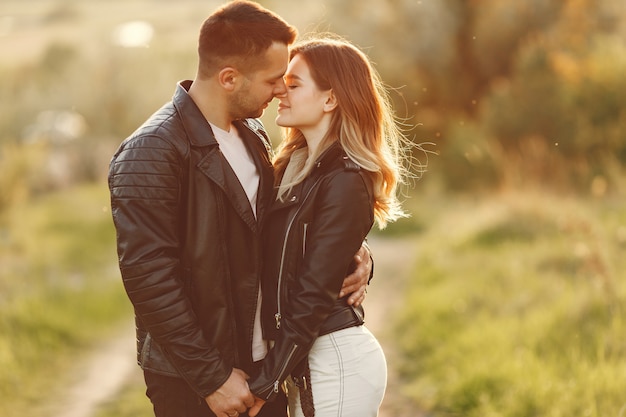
(237,33)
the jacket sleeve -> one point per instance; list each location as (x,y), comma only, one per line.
(145,178)
(343,217)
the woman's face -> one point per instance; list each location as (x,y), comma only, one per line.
(304,105)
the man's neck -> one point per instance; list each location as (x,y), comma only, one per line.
(208,99)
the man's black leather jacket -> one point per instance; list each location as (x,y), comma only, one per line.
(189,244)
(312,237)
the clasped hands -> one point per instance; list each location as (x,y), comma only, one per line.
(234,397)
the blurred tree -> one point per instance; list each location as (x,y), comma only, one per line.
(561,112)
(533,87)
(541,79)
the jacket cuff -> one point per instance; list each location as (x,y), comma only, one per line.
(203,378)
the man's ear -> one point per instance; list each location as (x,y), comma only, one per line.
(331,102)
(227,78)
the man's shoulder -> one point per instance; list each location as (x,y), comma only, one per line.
(163,122)
(161,134)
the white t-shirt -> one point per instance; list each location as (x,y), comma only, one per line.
(236,153)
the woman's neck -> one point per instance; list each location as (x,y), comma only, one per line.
(314,137)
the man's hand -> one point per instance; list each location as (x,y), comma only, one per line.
(232,398)
(258,403)
(355,284)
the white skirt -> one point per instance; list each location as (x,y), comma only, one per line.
(348,375)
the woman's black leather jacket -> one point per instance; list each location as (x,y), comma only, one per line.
(311,238)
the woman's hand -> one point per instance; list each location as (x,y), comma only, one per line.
(254,410)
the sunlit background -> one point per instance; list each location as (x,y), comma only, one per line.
(512,302)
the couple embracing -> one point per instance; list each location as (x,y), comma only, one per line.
(247,269)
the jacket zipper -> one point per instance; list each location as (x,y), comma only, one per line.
(306,226)
(276,384)
(278,316)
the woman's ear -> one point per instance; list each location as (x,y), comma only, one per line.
(331,102)
(227,78)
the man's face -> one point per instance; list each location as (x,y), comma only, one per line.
(259,88)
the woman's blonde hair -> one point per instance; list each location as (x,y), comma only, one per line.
(363,121)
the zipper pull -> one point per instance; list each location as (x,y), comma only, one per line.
(277,317)
(276,384)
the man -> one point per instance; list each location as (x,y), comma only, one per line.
(189,193)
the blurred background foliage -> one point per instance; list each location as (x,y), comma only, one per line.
(514,96)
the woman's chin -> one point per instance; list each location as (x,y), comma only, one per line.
(280,121)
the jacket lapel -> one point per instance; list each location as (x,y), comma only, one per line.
(214,165)
(217,169)
(260,149)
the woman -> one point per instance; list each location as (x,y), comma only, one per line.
(337,172)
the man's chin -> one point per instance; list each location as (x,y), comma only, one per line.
(257,114)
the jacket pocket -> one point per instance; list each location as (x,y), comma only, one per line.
(152,358)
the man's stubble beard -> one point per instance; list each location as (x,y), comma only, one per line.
(240,108)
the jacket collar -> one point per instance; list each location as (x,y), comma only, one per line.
(329,158)
(332,158)
(196,126)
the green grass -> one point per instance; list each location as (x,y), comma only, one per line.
(60,292)
(516,309)
(131,401)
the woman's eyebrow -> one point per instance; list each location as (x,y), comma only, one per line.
(292,77)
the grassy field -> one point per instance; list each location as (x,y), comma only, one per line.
(516,309)
(59,292)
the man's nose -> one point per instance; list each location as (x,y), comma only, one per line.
(281,89)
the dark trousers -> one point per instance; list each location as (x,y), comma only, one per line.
(172,397)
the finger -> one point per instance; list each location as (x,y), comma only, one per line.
(248,401)
(349,289)
(351,280)
(256,407)
(356,296)
(360,300)
(362,253)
